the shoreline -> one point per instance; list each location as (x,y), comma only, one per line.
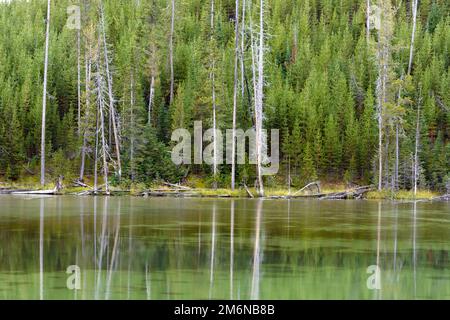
(241,193)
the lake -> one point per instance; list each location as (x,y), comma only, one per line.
(173,248)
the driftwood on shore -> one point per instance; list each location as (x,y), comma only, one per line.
(445,197)
(248,191)
(308,186)
(355,193)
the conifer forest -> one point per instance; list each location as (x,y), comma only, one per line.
(359,90)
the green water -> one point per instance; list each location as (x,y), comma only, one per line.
(135,248)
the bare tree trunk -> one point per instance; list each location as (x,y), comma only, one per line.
(368,21)
(236,54)
(150,100)
(259,100)
(397,157)
(172,26)
(101,106)
(87,89)
(132,138)
(78,82)
(212,76)
(96,152)
(243,49)
(415,4)
(416,151)
(44,94)
(110,93)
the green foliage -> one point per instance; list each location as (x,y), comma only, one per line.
(320,73)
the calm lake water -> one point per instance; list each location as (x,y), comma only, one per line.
(136,248)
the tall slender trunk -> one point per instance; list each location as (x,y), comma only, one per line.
(44,94)
(102,114)
(96,151)
(110,93)
(87,91)
(236,54)
(212,76)
(78,82)
(368,21)
(103,138)
(172,26)
(397,156)
(415,4)
(259,100)
(150,100)
(242,49)
(132,138)
(416,151)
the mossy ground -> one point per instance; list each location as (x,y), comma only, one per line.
(201,188)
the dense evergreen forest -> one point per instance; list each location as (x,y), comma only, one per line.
(356,98)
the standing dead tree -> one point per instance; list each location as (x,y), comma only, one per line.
(101,90)
(415,4)
(383,54)
(44,94)
(113,115)
(235,89)
(213,95)
(259,96)
(172,27)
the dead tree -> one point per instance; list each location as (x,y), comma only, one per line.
(87,102)
(44,94)
(172,27)
(78,82)
(102,112)
(213,94)
(416,151)
(150,99)
(109,79)
(383,59)
(236,54)
(132,124)
(415,4)
(368,21)
(259,99)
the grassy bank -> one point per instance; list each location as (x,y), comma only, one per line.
(199,189)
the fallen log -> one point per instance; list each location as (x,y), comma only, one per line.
(248,191)
(176,186)
(445,197)
(356,193)
(37,192)
(78,183)
(314,183)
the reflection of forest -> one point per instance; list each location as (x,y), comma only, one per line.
(158,249)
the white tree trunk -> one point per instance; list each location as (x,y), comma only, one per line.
(132,138)
(212,76)
(236,54)
(368,21)
(85,131)
(150,100)
(78,82)
(96,151)
(242,48)
(110,93)
(415,4)
(44,94)
(259,100)
(172,26)
(416,151)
